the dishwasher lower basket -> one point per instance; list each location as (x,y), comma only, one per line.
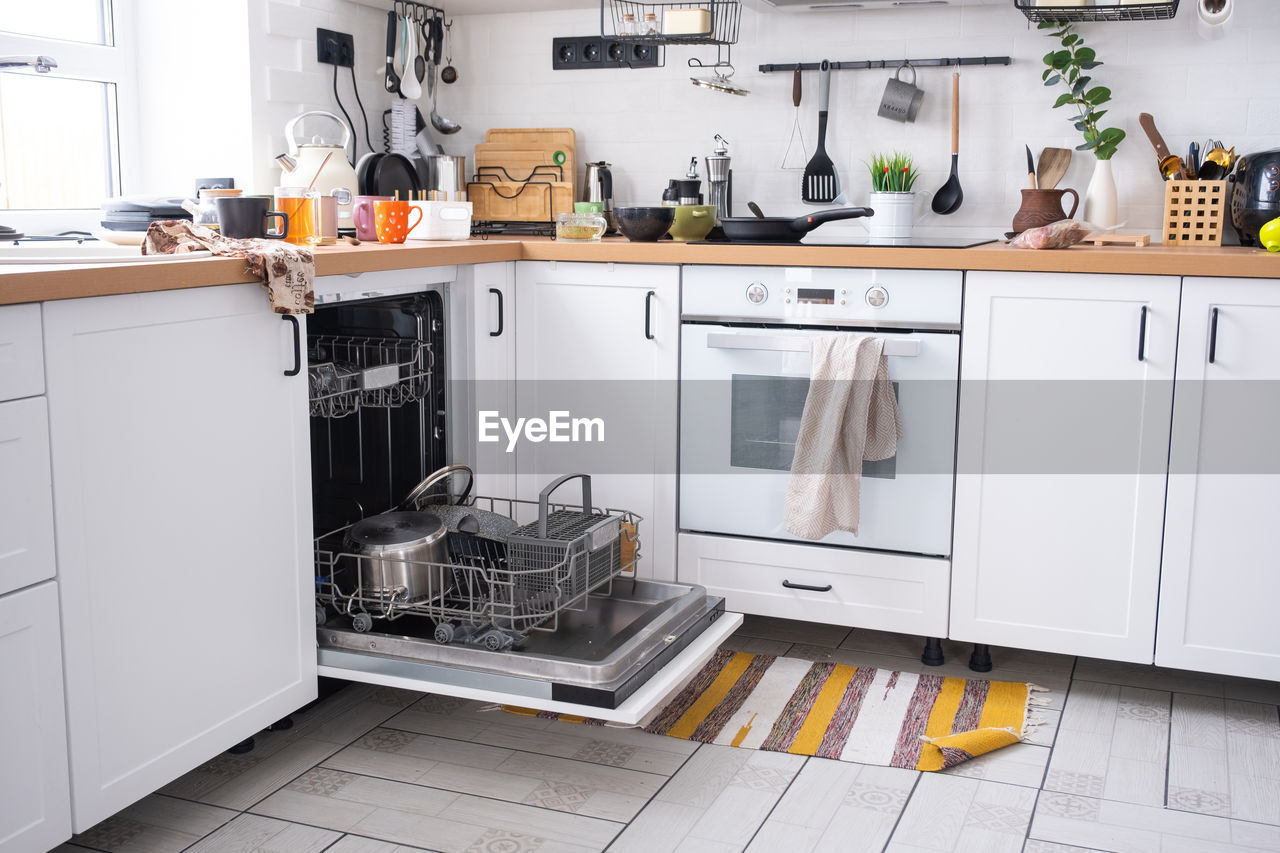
(494,591)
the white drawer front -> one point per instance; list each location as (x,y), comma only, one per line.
(26,501)
(21,351)
(866,589)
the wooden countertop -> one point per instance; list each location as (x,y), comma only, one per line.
(30,283)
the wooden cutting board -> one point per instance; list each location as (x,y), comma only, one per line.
(521,160)
(521,151)
(509,201)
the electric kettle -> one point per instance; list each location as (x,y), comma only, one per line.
(599,188)
(321,162)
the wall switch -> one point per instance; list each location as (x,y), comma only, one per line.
(334,48)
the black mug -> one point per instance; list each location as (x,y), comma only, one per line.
(247,216)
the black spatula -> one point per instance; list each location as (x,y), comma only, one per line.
(821,184)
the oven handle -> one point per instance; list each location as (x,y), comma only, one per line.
(793,343)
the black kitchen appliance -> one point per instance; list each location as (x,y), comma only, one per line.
(1255,194)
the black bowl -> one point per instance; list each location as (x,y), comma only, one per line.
(644,224)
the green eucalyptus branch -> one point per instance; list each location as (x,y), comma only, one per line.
(1067,66)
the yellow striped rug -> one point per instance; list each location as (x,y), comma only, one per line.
(860,714)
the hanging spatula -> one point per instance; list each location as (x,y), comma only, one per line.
(821,184)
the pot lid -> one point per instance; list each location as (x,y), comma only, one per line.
(396,530)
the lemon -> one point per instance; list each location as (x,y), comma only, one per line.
(1269,235)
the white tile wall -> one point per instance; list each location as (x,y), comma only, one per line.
(649,122)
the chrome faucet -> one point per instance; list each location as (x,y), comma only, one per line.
(42,64)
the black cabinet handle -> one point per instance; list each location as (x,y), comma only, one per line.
(648,311)
(790,585)
(497,293)
(1213,335)
(1142,335)
(297,346)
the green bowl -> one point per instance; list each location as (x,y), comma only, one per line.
(693,222)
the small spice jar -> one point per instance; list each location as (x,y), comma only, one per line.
(628,25)
(650,25)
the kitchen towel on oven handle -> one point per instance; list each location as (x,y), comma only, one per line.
(850,415)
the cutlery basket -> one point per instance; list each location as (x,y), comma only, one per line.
(1194,213)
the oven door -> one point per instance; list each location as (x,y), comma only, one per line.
(742,392)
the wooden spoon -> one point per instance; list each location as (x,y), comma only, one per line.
(1051,166)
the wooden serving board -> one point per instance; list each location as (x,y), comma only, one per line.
(520,150)
(1135,240)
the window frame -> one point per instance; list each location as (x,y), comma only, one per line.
(115,63)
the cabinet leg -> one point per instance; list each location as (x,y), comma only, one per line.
(281,725)
(933,652)
(242,747)
(980,660)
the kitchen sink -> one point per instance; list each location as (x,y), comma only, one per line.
(88,252)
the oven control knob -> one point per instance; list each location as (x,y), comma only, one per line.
(877,297)
(757,293)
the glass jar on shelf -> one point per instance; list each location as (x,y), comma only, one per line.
(649,27)
(628,25)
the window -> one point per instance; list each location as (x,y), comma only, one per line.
(61,132)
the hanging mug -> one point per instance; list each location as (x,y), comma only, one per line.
(901,100)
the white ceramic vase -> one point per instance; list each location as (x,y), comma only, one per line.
(1100,196)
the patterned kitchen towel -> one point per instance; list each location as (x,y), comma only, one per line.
(850,415)
(287,271)
(859,714)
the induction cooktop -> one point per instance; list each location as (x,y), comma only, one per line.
(855,240)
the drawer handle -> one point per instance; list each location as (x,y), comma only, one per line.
(498,293)
(1213,336)
(805,586)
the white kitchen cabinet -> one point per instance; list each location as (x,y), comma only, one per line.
(182,498)
(601,342)
(26,499)
(483,307)
(35,803)
(1063,436)
(1218,582)
(21,357)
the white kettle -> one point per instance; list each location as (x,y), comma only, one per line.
(324,159)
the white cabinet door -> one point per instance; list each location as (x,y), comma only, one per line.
(35,803)
(21,360)
(1219,583)
(482,306)
(1063,437)
(26,500)
(600,343)
(182,497)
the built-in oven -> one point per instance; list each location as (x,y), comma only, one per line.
(744,379)
(395,360)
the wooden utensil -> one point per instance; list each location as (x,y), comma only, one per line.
(1171,165)
(1051,166)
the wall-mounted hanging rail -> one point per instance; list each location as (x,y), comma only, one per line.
(888,63)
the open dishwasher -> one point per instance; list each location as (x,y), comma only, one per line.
(532,603)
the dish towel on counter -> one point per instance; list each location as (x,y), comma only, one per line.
(850,414)
(287,271)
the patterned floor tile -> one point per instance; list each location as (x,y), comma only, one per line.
(155,824)
(253,834)
(1224,758)
(948,813)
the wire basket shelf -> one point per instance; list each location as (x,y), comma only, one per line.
(706,22)
(1159,10)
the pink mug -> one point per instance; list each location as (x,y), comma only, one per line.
(362,215)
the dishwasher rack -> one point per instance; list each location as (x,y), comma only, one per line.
(350,372)
(486,594)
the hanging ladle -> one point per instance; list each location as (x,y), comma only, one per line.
(439,122)
(949,196)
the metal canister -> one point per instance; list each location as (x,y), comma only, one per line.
(446,177)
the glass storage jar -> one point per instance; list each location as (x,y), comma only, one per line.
(580,227)
(206,212)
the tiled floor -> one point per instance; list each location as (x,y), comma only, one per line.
(1129,758)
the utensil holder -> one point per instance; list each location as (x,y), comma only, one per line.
(1194,212)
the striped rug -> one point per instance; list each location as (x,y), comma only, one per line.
(848,713)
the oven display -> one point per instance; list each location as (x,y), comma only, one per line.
(815,296)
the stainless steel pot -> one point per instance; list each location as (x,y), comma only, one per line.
(401,555)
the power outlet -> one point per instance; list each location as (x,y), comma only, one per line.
(596,52)
(334,48)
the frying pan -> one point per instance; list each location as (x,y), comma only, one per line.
(780,229)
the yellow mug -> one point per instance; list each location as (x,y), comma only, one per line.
(391,220)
